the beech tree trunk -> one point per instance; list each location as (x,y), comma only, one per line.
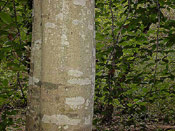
(62,78)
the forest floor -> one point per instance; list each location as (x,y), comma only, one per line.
(19,124)
(13,122)
(116,125)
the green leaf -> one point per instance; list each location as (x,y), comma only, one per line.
(130,105)
(5,82)
(5,17)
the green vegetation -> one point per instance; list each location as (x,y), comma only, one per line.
(135,64)
(15,41)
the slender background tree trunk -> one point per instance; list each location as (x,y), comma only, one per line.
(62,84)
(33,112)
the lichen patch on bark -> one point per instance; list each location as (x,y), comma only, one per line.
(79,2)
(75,102)
(81,82)
(59,16)
(36,45)
(64,40)
(60,120)
(75,73)
(90,27)
(33,80)
(94,52)
(87,120)
(38,41)
(50,25)
(87,102)
(75,22)
(66,127)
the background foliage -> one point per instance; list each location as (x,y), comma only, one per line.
(135,64)
(135,88)
(15,39)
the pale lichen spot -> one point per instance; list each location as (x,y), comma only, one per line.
(66,127)
(66,43)
(66,89)
(38,41)
(87,51)
(64,37)
(87,120)
(93,71)
(88,12)
(33,13)
(64,40)
(50,25)
(94,52)
(94,34)
(83,12)
(75,73)
(60,120)
(79,2)
(33,80)
(82,35)
(87,102)
(90,27)
(75,22)
(80,82)
(75,102)
(65,8)
(37,45)
(59,16)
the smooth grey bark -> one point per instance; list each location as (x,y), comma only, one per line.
(64,66)
(33,112)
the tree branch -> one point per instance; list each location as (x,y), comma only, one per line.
(18,73)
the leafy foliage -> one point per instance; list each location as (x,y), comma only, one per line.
(15,39)
(135,64)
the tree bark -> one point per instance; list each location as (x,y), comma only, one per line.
(62,87)
(33,112)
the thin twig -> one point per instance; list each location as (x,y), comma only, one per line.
(21,88)
(121,28)
(157,40)
(112,17)
(18,74)
(116,40)
(157,47)
(4,5)
(115,43)
(119,33)
(113,36)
